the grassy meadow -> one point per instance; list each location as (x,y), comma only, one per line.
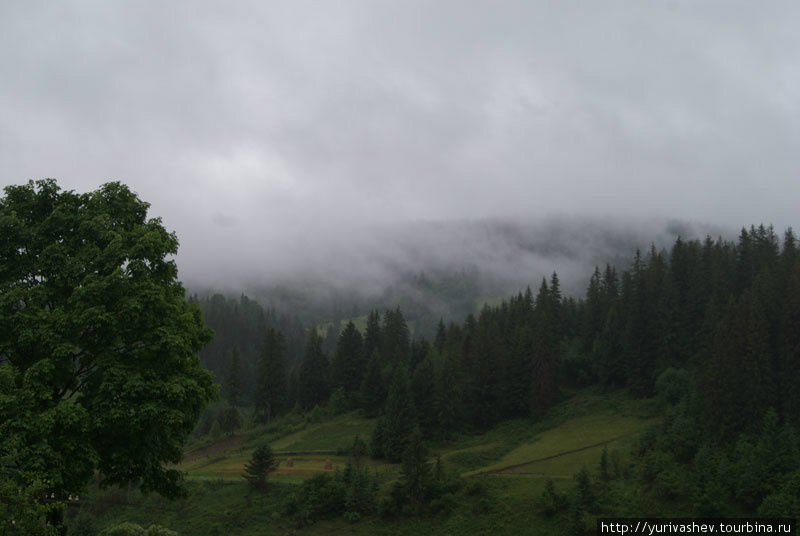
(505,470)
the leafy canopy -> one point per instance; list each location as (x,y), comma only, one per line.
(98,347)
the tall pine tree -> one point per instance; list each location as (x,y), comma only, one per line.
(233,381)
(314,377)
(271,385)
(348,364)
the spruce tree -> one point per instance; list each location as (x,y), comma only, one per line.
(448,394)
(373,390)
(518,383)
(441,337)
(604,474)
(233,382)
(416,476)
(420,348)
(594,312)
(261,464)
(231,420)
(543,390)
(789,348)
(348,364)
(556,312)
(314,376)
(395,339)
(399,416)
(372,335)
(271,384)
(423,387)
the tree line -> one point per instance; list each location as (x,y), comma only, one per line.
(726,310)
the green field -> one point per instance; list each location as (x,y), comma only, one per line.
(510,464)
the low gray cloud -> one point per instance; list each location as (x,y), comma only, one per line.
(276,137)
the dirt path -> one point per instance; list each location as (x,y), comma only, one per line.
(566,452)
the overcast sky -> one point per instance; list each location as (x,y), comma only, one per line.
(264,133)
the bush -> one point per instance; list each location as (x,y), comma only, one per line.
(321,496)
(583,489)
(445,503)
(350,493)
(317,415)
(124,529)
(338,402)
(673,385)
(132,529)
(82,525)
(550,502)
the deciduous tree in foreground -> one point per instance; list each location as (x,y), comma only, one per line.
(99,370)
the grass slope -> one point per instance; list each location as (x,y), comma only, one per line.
(506,466)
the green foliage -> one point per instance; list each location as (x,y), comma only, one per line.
(673,385)
(350,493)
(348,363)
(21,511)
(784,501)
(82,525)
(232,389)
(550,502)
(576,525)
(604,465)
(98,345)
(423,487)
(423,386)
(361,489)
(358,449)
(584,491)
(416,477)
(132,529)
(261,464)
(376,440)
(124,529)
(399,420)
(339,402)
(270,392)
(395,342)
(373,390)
(231,420)
(314,379)
(216,430)
(319,497)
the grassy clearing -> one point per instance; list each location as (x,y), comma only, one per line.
(583,419)
(226,459)
(336,434)
(569,441)
(231,468)
(555,446)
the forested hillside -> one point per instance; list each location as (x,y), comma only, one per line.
(711,326)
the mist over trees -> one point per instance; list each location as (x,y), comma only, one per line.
(709,326)
(717,306)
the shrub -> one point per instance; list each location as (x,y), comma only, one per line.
(673,385)
(82,525)
(132,529)
(550,502)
